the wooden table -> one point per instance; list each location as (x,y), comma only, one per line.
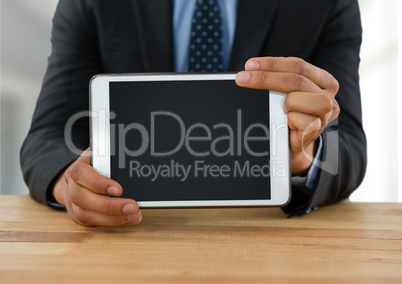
(344,243)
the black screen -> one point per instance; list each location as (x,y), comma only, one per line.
(190,140)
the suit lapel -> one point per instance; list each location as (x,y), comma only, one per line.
(154,22)
(254,19)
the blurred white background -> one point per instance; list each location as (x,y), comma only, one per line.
(25,45)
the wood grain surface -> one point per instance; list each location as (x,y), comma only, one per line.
(344,243)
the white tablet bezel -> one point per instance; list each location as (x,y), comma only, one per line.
(279,138)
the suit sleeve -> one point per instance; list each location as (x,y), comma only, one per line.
(344,157)
(73,61)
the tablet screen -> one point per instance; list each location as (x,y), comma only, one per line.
(190,140)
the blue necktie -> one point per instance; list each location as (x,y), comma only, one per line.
(206,38)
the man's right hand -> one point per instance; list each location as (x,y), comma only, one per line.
(92,199)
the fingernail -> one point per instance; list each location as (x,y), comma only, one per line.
(242,77)
(335,106)
(252,65)
(135,217)
(113,191)
(285,109)
(129,209)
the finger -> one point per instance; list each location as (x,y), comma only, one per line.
(85,156)
(320,77)
(276,81)
(88,200)
(90,218)
(305,129)
(310,103)
(335,112)
(85,175)
(302,155)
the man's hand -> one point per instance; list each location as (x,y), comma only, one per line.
(90,198)
(310,103)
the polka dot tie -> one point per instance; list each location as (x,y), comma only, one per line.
(206,38)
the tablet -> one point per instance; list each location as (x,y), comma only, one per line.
(185,140)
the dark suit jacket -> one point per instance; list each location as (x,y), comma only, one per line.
(103,36)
